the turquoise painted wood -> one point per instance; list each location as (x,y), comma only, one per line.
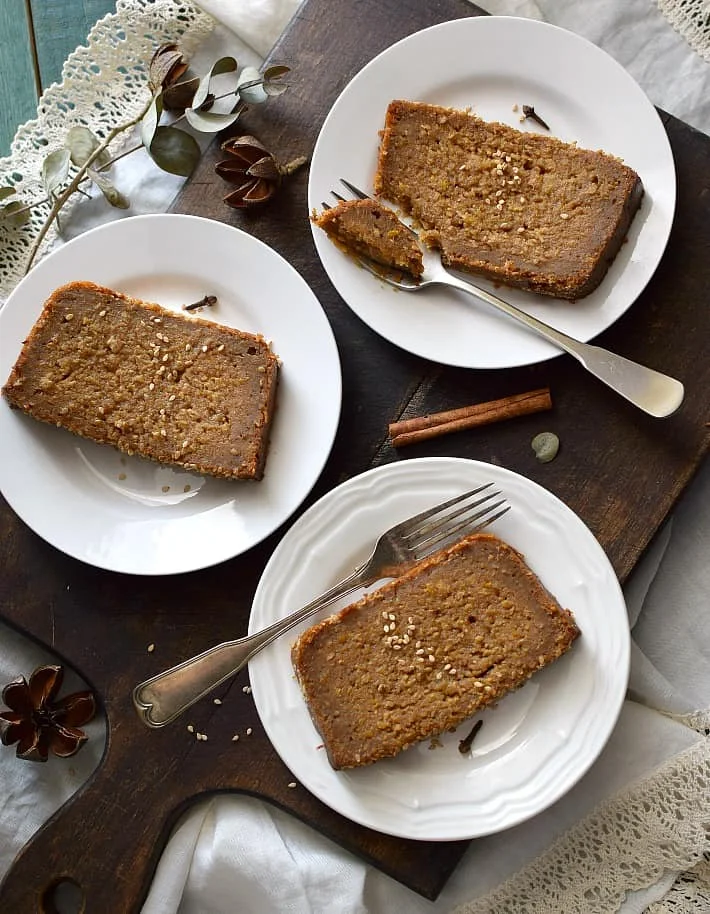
(61,25)
(35,38)
(18,92)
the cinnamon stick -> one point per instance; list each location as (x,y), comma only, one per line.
(423,428)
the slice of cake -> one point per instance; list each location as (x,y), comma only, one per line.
(366,227)
(516,207)
(427,650)
(152,382)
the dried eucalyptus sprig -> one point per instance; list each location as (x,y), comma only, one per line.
(209,103)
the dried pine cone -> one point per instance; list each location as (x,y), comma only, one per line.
(39,724)
(253,169)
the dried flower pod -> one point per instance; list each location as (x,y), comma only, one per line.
(180,95)
(39,724)
(253,169)
(167,66)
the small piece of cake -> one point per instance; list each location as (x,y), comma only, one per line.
(515,207)
(366,227)
(152,382)
(426,651)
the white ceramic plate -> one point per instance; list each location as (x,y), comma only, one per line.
(110,510)
(491,64)
(535,744)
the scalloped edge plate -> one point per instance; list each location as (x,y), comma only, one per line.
(535,745)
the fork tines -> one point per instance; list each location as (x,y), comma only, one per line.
(447,522)
(353,190)
(341,199)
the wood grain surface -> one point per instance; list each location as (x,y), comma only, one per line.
(18,89)
(36,36)
(620,470)
(59,26)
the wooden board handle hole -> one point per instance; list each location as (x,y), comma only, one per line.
(63,896)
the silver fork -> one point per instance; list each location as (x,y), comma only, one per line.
(164,697)
(653,392)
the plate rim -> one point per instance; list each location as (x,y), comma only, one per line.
(46,265)
(546,350)
(623,632)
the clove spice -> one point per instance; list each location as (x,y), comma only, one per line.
(529,111)
(466,743)
(205,302)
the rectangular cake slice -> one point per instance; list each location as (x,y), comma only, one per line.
(428,650)
(516,207)
(179,390)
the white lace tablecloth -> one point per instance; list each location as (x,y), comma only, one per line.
(633,833)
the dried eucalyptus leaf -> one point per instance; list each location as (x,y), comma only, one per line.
(6,192)
(82,144)
(223,65)
(208,122)
(149,124)
(273,89)
(55,169)
(15,212)
(546,445)
(112,194)
(249,75)
(250,87)
(272,85)
(174,151)
(276,72)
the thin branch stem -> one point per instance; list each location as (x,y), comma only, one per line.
(30,206)
(77,179)
(126,152)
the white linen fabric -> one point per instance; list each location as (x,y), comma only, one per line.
(639,818)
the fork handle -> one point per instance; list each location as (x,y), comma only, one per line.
(164,697)
(653,392)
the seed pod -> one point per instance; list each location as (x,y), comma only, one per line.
(546,445)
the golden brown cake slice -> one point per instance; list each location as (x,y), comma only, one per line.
(369,228)
(427,650)
(517,207)
(175,389)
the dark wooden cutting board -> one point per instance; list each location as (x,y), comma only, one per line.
(621,471)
